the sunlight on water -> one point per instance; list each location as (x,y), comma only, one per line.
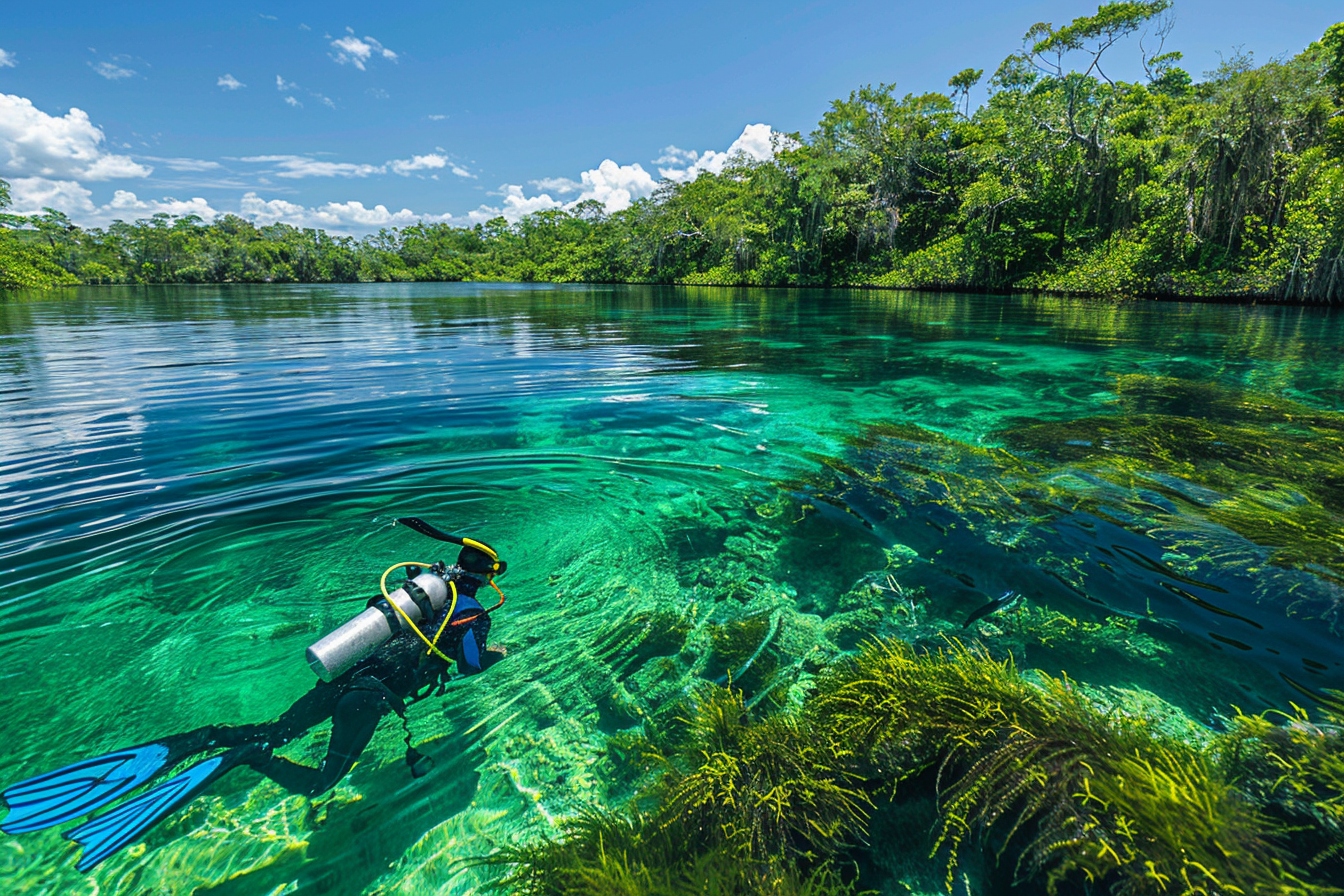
(687,484)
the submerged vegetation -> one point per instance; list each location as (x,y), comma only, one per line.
(1063,179)
(1062,794)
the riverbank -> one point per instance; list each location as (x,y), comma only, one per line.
(1060,181)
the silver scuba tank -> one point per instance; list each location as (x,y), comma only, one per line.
(341,649)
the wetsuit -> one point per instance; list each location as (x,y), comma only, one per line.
(398,673)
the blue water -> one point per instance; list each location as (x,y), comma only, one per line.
(195,483)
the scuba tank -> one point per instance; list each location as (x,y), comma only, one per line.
(422,597)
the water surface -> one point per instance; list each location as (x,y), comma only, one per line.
(195,483)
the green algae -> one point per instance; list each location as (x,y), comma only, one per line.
(649,555)
(1071,787)
(1274,468)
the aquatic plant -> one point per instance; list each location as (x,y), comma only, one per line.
(766,789)
(608,854)
(742,650)
(1094,796)
(1066,792)
(1295,769)
(1265,467)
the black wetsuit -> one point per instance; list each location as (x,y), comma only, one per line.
(398,673)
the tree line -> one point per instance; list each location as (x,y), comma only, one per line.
(1064,179)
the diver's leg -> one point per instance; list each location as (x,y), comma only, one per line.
(353,722)
(311,709)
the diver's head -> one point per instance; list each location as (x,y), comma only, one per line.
(478,562)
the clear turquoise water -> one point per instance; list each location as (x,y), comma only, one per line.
(196,483)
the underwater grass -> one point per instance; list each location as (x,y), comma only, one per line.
(1275,466)
(1296,769)
(1073,797)
(1071,790)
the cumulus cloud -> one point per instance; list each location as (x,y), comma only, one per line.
(33,143)
(516,205)
(418,163)
(358,51)
(229,82)
(293,102)
(32,194)
(126,204)
(111,71)
(282,85)
(615,186)
(618,186)
(755,144)
(338,216)
(674,156)
(461,172)
(561,185)
(7,59)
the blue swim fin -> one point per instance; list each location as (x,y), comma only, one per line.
(104,835)
(67,793)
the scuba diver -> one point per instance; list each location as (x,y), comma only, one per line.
(395,652)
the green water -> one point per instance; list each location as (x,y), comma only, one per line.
(197,483)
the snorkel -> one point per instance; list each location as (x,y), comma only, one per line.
(427,588)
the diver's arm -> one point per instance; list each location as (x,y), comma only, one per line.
(471,649)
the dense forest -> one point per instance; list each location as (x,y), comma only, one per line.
(1063,180)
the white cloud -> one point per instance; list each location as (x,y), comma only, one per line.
(418,163)
(756,144)
(561,185)
(674,156)
(111,71)
(303,166)
(616,186)
(357,52)
(325,100)
(293,102)
(516,205)
(436,117)
(185,164)
(338,216)
(229,82)
(35,144)
(7,59)
(282,85)
(32,194)
(292,166)
(126,205)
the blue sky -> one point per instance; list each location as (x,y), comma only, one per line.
(319,113)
